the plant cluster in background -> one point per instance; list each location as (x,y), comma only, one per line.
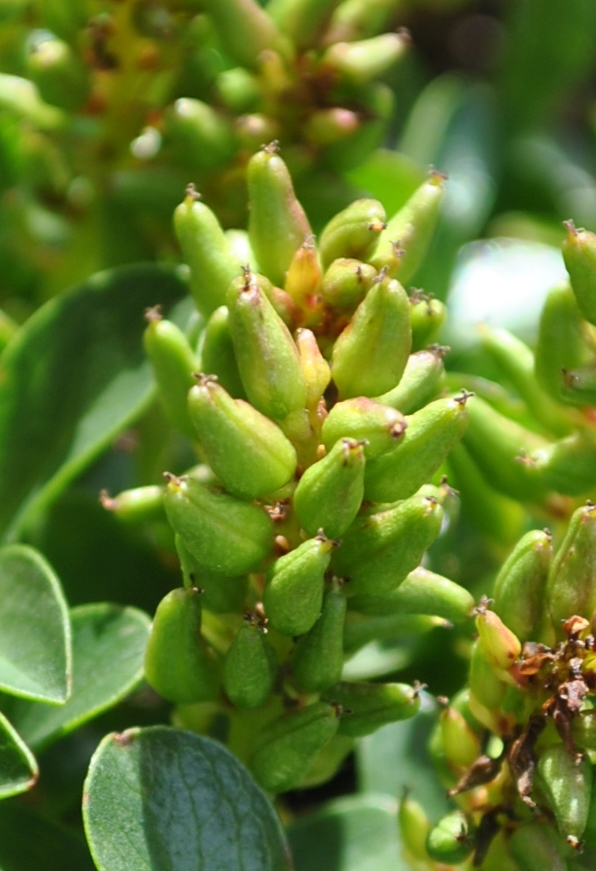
(335,603)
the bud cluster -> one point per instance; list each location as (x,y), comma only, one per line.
(320,418)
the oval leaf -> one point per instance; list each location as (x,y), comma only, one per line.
(352,834)
(108,644)
(35,645)
(29,842)
(160,798)
(74,375)
(18,767)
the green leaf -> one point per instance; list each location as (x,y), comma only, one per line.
(30,843)
(35,644)
(351,834)
(73,377)
(161,798)
(18,768)
(108,644)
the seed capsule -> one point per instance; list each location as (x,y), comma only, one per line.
(303,283)
(315,368)
(266,353)
(520,586)
(372,705)
(499,644)
(277,224)
(318,657)
(565,343)
(200,136)
(346,282)
(352,233)
(173,361)
(427,316)
(405,240)
(566,781)
(219,593)
(330,492)
(375,425)
(217,353)
(245,30)
(430,435)
(370,355)
(230,430)
(249,666)
(451,840)
(571,587)
(422,592)
(414,826)
(579,254)
(423,380)
(536,846)
(295,584)
(364,60)
(287,747)
(223,533)
(380,550)
(178,663)
(60,76)
(303,20)
(207,252)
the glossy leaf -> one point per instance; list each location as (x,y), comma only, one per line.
(160,798)
(353,834)
(28,842)
(18,768)
(35,643)
(73,377)
(108,649)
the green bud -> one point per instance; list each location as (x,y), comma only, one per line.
(422,592)
(367,421)
(516,363)
(60,76)
(302,20)
(566,342)
(579,254)
(178,663)
(571,587)
(536,846)
(303,283)
(207,252)
(295,584)
(427,316)
(217,353)
(173,362)
(352,150)
(370,355)
(238,89)
(277,223)
(452,839)
(135,505)
(346,282)
(566,782)
(267,356)
(287,746)
(229,431)
(368,706)
(315,368)
(380,550)
(461,745)
(430,435)
(250,666)
(328,126)
(352,233)
(583,729)
(414,826)
(520,586)
(319,655)
(330,492)
(364,60)
(405,240)
(219,593)
(223,533)
(245,30)
(201,136)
